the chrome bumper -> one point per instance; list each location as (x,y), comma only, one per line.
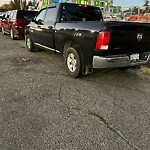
(116,61)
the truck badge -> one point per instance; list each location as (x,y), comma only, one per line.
(139,36)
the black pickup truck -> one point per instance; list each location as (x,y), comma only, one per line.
(87,41)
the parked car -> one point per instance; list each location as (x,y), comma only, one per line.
(129,13)
(2,10)
(15,21)
(87,41)
(1,17)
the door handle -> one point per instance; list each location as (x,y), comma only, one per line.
(38,26)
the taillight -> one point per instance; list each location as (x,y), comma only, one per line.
(103,39)
(82,5)
(17,26)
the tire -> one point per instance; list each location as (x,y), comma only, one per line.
(73,62)
(3,31)
(12,35)
(29,43)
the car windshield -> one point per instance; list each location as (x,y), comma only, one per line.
(28,15)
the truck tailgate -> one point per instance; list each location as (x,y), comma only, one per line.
(129,38)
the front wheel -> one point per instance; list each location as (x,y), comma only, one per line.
(29,43)
(73,62)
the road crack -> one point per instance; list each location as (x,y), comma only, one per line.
(119,133)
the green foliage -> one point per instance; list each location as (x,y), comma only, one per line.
(34,2)
(24,4)
(30,3)
(5,6)
(15,4)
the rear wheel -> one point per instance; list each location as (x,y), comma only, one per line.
(29,43)
(12,35)
(73,62)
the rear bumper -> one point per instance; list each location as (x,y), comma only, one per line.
(116,61)
(20,32)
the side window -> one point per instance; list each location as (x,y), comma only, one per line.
(68,13)
(51,14)
(41,16)
(11,14)
(14,15)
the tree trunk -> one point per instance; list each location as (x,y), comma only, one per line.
(21,6)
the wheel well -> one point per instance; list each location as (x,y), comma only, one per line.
(68,44)
(26,32)
(87,69)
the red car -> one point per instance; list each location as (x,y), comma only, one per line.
(1,17)
(15,21)
(1,22)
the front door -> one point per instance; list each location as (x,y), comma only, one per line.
(48,28)
(35,29)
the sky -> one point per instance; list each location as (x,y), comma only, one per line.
(123,3)
(128,3)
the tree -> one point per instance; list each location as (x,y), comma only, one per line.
(15,4)
(146,3)
(18,4)
(5,6)
(21,5)
(24,4)
(30,3)
(34,2)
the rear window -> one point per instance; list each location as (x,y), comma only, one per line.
(28,15)
(79,12)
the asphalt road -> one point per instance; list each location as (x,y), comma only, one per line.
(42,108)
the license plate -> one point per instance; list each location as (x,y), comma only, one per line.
(134,57)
